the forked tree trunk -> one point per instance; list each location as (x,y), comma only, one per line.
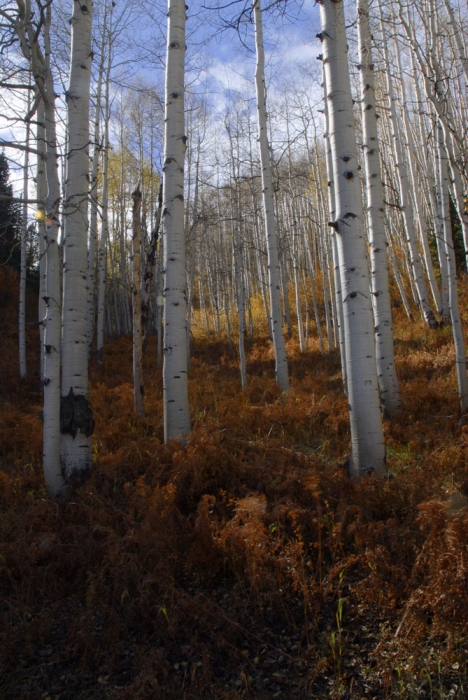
(175,380)
(40,66)
(274,273)
(367,443)
(76,419)
(383,326)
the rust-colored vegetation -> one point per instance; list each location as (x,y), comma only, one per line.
(246,564)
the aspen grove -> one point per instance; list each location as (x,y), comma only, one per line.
(233,296)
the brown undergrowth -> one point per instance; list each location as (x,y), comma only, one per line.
(246,564)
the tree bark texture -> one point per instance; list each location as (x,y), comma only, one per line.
(175,379)
(76,422)
(367,443)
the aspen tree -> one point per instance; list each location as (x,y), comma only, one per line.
(447,240)
(138,389)
(274,278)
(415,190)
(24,238)
(175,379)
(367,443)
(76,422)
(39,59)
(150,266)
(40,64)
(334,244)
(238,260)
(404,197)
(386,370)
(104,237)
(41,191)
(457,33)
(93,229)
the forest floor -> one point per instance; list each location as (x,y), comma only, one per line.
(247,564)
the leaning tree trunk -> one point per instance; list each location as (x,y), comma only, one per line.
(368,448)
(76,419)
(274,278)
(175,379)
(383,327)
(445,232)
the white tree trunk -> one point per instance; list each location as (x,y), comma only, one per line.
(367,443)
(175,380)
(52,321)
(332,212)
(77,422)
(40,67)
(41,191)
(458,39)
(24,242)
(445,230)
(274,278)
(405,202)
(102,254)
(93,228)
(383,325)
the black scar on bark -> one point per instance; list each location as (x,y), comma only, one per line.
(76,414)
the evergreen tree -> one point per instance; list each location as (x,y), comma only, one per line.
(10,220)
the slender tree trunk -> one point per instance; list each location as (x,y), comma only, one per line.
(138,387)
(404,199)
(150,267)
(41,189)
(93,229)
(383,326)
(446,236)
(102,255)
(334,235)
(368,448)
(24,245)
(192,230)
(274,273)
(176,406)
